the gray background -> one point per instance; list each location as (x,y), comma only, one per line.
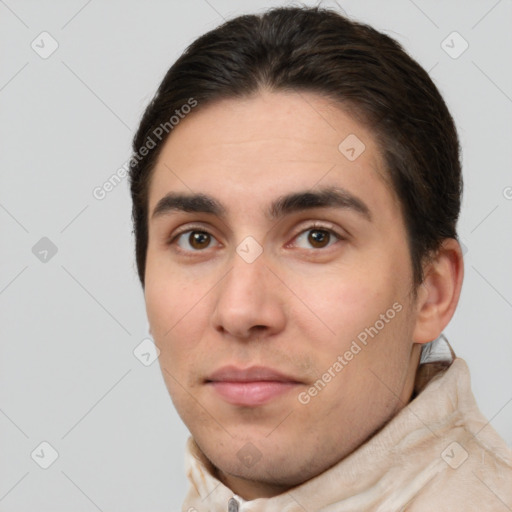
(70,324)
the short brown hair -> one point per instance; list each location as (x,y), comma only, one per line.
(318,50)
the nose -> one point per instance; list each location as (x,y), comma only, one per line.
(250,300)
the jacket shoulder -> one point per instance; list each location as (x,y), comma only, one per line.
(475,474)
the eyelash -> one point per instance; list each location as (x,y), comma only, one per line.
(315,226)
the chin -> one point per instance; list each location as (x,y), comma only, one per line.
(257,458)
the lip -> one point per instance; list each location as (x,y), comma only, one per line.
(250,387)
(254,373)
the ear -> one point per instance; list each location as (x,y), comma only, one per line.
(439,293)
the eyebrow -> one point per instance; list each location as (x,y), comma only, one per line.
(329,197)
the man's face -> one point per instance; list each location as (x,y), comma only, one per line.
(318,292)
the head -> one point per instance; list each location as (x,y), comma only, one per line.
(296,186)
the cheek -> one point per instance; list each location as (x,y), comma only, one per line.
(337,305)
(168,293)
(176,312)
(176,316)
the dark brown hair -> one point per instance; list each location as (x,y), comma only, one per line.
(361,69)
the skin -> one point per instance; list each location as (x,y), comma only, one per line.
(298,306)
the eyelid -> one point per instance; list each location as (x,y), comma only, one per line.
(189,227)
(323,226)
(185,229)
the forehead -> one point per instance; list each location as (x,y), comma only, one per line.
(248,151)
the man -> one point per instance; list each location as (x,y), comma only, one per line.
(296,186)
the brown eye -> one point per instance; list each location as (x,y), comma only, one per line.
(318,238)
(199,239)
(194,240)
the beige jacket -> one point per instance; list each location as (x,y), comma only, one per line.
(439,453)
